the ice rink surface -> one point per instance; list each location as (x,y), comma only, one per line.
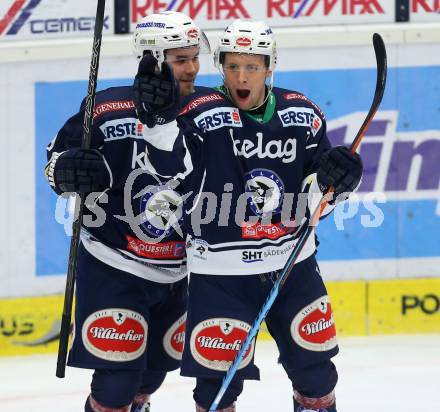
(377,374)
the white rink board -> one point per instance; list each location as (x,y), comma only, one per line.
(19,117)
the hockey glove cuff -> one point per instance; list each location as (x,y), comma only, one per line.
(78,170)
(341,169)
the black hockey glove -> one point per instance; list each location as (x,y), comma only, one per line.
(156,94)
(78,170)
(341,169)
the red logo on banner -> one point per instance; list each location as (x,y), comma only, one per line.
(174,338)
(243,41)
(209,9)
(118,335)
(313,328)
(287,8)
(215,343)
(428,6)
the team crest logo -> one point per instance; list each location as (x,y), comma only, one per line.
(313,328)
(161,209)
(214,343)
(265,191)
(200,249)
(119,317)
(226,327)
(117,335)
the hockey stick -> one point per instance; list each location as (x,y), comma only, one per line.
(79,203)
(381,61)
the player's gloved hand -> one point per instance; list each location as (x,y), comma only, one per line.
(341,169)
(156,94)
(78,170)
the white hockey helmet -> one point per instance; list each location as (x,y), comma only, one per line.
(249,37)
(167,30)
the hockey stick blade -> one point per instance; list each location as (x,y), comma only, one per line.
(381,61)
(381,64)
(79,202)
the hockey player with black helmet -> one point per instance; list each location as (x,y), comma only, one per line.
(262,149)
(131,280)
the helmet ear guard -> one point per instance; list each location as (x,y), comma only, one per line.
(159,32)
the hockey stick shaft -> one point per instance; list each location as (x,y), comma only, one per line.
(381,61)
(80,198)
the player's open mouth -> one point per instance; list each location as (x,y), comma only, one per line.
(243,93)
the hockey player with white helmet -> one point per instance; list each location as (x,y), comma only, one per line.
(172,37)
(245,39)
(131,279)
(248,151)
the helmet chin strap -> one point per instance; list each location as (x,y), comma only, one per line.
(269,89)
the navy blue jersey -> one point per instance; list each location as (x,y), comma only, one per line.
(133,223)
(245,173)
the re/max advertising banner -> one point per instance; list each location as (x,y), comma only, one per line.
(390,228)
(46,19)
(217,14)
(424,11)
(49,19)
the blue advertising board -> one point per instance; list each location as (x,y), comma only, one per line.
(398,212)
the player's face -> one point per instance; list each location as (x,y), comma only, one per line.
(185,64)
(245,78)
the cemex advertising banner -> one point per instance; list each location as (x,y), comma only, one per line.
(390,228)
(217,14)
(47,19)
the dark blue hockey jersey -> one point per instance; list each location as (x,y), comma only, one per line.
(246,174)
(134,225)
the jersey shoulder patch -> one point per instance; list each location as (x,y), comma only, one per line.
(296,110)
(203,97)
(114,99)
(290,97)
